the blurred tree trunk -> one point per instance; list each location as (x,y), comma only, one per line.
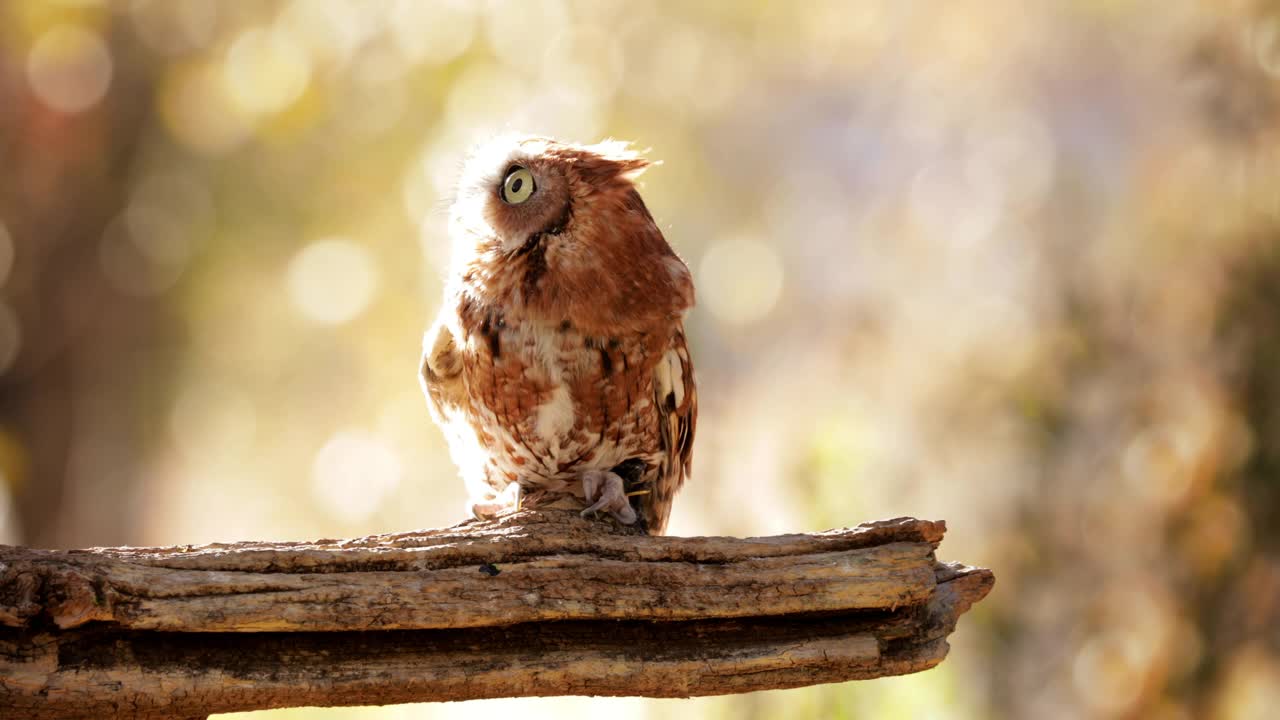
(69,413)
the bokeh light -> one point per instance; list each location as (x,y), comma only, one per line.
(266,71)
(331,281)
(136,254)
(198,109)
(353,474)
(69,68)
(433,33)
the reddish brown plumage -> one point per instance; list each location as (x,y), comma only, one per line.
(560,348)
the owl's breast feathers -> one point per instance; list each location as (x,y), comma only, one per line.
(539,404)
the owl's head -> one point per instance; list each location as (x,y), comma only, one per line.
(516,189)
(561,230)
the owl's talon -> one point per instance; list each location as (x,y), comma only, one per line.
(605,491)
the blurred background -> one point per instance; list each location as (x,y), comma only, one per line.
(1011,264)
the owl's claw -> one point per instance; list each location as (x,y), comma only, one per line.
(606,492)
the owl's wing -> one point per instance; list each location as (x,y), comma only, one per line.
(677,403)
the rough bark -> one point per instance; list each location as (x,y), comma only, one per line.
(531,604)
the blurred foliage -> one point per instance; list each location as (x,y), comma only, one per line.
(1010,264)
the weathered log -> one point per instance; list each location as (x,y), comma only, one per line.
(532,604)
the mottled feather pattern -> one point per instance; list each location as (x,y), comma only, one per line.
(560,349)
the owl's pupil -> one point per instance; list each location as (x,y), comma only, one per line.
(517,184)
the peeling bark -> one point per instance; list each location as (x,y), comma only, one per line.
(532,604)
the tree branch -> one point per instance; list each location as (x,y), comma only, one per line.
(531,604)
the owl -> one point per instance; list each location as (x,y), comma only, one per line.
(558,368)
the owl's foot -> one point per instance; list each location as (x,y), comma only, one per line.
(441,359)
(489,508)
(605,491)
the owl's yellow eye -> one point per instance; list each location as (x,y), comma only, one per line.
(518,186)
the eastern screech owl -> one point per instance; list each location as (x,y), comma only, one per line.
(557,367)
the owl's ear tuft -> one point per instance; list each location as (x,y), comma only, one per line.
(611,160)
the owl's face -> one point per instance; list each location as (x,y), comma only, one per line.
(517,190)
